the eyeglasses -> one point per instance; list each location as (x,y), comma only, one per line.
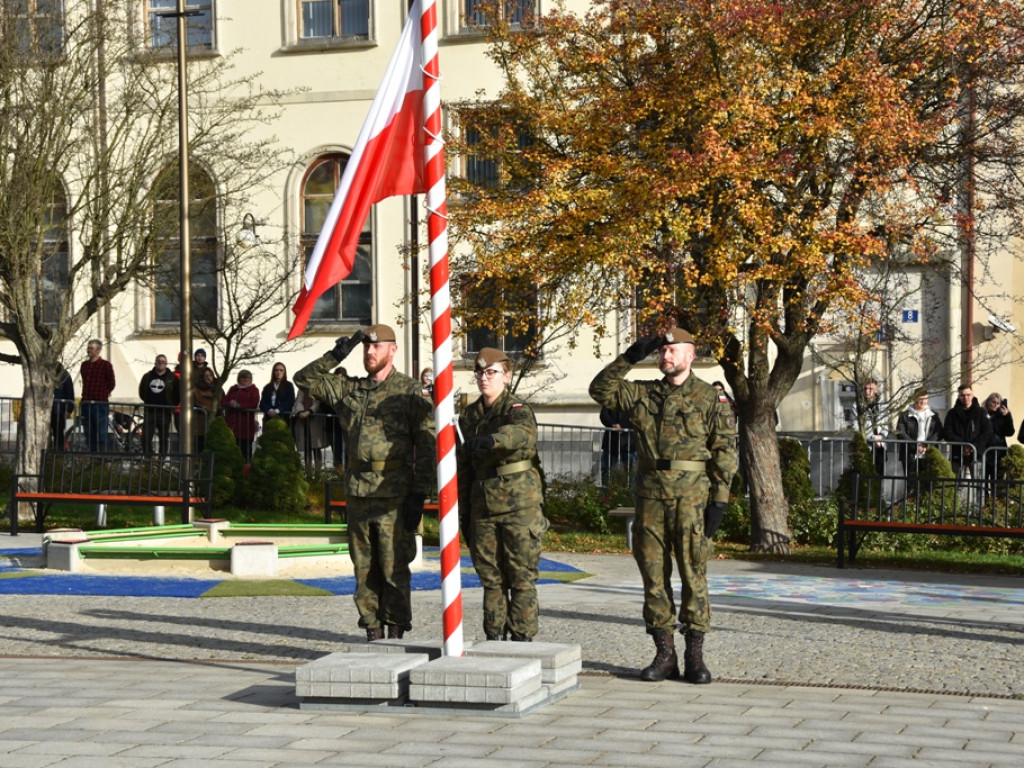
(488,373)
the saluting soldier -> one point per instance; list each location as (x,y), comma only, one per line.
(686,451)
(389,432)
(500,488)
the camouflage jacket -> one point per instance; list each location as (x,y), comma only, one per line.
(481,483)
(674,423)
(389,429)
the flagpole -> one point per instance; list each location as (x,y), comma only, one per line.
(441,335)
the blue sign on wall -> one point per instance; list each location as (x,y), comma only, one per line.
(911,316)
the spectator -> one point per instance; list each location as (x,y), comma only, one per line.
(873,420)
(158,391)
(333,428)
(308,429)
(999,416)
(206,398)
(616,446)
(427,380)
(240,404)
(198,363)
(278,397)
(63,407)
(969,430)
(97,384)
(921,423)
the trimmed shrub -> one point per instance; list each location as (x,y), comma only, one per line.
(227,463)
(796,472)
(861,462)
(277,480)
(1011,467)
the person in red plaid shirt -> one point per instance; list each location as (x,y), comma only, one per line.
(97,384)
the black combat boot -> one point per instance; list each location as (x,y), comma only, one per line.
(374,633)
(495,637)
(517,638)
(694,670)
(395,632)
(666,663)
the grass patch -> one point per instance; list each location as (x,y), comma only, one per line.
(265,588)
(17,574)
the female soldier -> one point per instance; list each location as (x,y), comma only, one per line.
(500,485)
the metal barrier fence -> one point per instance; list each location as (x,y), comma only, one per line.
(565,450)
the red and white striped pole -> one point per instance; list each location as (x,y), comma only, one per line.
(441,334)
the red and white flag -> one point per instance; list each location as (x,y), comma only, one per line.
(388,160)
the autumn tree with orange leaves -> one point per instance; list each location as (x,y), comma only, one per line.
(736,167)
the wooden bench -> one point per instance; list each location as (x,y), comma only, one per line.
(937,506)
(332,504)
(124,479)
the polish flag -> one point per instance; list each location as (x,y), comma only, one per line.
(388,160)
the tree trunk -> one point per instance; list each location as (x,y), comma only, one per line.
(759,458)
(33,427)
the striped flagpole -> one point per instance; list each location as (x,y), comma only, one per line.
(441,333)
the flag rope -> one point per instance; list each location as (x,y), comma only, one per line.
(441,336)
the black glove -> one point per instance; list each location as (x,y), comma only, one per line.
(412,512)
(346,344)
(642,348)
(479,443)
(713,514)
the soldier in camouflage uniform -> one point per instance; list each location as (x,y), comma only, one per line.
(500,489)
(389,429)
(686,460)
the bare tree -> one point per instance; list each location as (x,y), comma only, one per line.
(88,143)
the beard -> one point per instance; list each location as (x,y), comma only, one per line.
(671,370)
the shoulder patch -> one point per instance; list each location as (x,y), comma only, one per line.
(517,405)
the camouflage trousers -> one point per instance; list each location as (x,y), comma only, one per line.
(506,554)
(664,528)
(381,551)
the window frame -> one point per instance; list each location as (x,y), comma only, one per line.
(472,342)
(362,278)
(204,253)
(55,259)
(148,13)
(293,41)
(458,17)
(31,22)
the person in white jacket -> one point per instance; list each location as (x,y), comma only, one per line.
(921,423)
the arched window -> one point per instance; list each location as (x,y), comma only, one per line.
(52,286)
(351,301)
(202,249)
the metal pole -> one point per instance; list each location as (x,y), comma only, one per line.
(185,443)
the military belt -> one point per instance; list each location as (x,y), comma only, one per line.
(380,466)
(510,469)
(649,465)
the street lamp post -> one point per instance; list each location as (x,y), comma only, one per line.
(185,441)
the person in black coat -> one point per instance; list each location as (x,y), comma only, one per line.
(616,447)
(920,423)
(1001,419)
(966,422)
(63,407)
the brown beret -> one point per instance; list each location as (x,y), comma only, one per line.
(377,333)
(678,336)
(488,356)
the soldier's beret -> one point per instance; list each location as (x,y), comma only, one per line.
(377,333)
(488,356)
(678,336)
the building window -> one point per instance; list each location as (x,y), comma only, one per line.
(478,13)
(162,30)
(350,301)
(54,273)
(334,19)
(36,27)
(202,250)
(499,313)
(493,151)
